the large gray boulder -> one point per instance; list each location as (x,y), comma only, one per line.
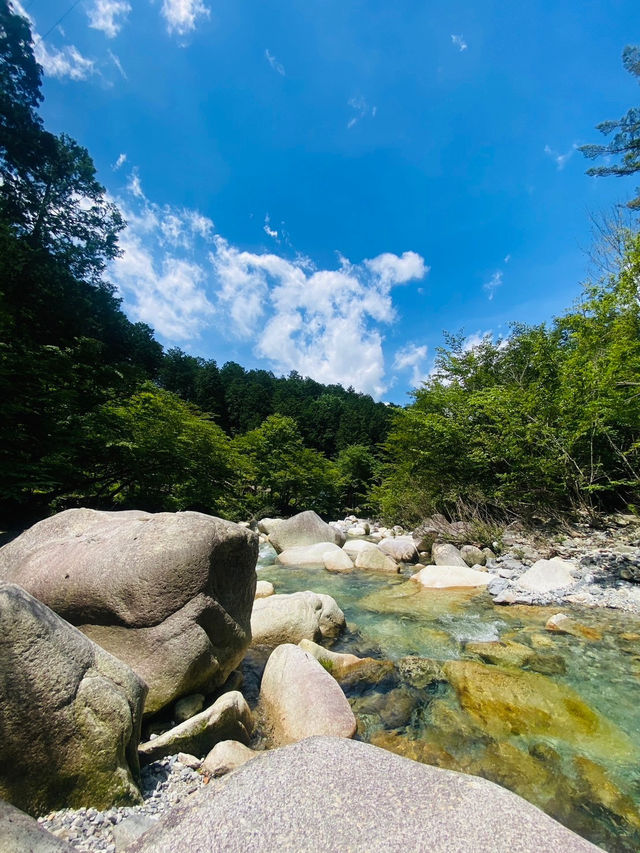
(299,698)
(70,713)
(328,793)
(305,528)
(400,548)
(294,617)
(169,593)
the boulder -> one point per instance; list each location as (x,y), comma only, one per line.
(299,698)
(473,556)
(400,548)
(168,593)
(229,718)
(339,665)
(264,589)
(268,525)
(309,556)
(356,530)
(329,793)
(306,528)
(70,713)
(188,707)
(356,546)
(226,756)
(338,561)
(548,575)
(294,617)
(450,577)
(20,833)
(374,560)
(446,555)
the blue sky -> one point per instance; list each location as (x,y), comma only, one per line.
(327,186)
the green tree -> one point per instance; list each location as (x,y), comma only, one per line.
(281,473)
(358,472)
(625,142)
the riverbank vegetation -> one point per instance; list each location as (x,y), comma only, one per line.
(95,413)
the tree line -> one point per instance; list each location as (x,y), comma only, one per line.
(95,413)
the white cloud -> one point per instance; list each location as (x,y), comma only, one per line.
(108,16)
(412,356)
(271,232)
(560,159)
(507,258)
(459,42)
(361,110)
(118,64)
(67,62)
(493,284)
(474,340)
(181,15)
(273,62)
(122,159)
(179,276)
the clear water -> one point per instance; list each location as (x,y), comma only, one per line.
(573,746)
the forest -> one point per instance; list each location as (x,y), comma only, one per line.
(95,413)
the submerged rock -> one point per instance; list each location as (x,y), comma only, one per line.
(70,713)
(299,698)
(339,665)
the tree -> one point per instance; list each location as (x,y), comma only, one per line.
(625,141)
(49,193)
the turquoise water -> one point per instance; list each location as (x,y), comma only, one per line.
(556,718)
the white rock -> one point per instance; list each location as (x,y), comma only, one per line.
(291,618)
(307,556)
(375,561)
(338,561)
(399,548)
(356,546)
(227,756)
(446,555)
(264,589)
(547,575)
(356,530)
(450,577)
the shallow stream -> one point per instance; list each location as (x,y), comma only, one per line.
(553,717)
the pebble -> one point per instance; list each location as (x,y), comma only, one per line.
(164,784)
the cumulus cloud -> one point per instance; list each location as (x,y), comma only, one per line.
(361,109)
(273,62)
(412,357)
(66,62)
(181,15)
(459,42)
(108,16)
(182,278)
(560,160)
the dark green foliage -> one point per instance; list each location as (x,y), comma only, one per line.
(544,422)
(625,142)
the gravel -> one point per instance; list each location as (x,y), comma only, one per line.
(164,784)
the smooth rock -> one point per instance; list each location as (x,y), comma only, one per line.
(132,827)
(450,577)
(229,718)
(560,623)
(264,589)
(375,561)
(70,713)
(338,562)
(305,528)
(299,698)
(548,575)
(329,794)
(400,548)
(336,663)
(294,617)
(309,556)
(447,555)
(356,546)
(226,756)
(356,530)
(472,555)
(189,760)
(168,593)
(20,833)
(188,707)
